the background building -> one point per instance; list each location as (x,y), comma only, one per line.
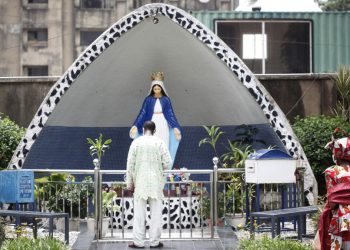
(43,37)
(284,42)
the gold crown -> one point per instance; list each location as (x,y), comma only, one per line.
(157,76)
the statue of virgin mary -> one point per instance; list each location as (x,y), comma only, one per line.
(157,107)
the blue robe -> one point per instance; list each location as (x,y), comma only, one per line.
(146,114)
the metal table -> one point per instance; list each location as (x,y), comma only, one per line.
(33,214)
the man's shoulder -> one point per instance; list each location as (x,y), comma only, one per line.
(156,139)
(159,142)
(136,141)
(149,139)
(153,140)
(144,138)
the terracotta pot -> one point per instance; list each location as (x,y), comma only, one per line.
(172,193)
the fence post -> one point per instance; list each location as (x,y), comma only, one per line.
(97,199)
(212,204)
(215,190)
(302,170)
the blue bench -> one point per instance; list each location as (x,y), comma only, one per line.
(34,215)
(276,215)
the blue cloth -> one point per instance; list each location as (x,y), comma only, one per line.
(147,109)
(146,114)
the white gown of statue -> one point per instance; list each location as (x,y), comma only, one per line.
(162,127)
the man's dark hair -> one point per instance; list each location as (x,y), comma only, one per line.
(150,126)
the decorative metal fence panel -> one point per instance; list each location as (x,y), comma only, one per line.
(191,208)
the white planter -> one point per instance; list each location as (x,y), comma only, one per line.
(73,224)
(90,222)
(105,224)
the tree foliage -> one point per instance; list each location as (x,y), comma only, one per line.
(2,231)
(314,133)
(342,83)
(336,5)
(10,136)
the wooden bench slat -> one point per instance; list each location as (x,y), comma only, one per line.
(32,213)
(275,215)
(285,212)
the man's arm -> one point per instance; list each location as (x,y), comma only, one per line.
(165,156)
(130,167)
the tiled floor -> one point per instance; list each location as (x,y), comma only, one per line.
(168,244)
(224,239)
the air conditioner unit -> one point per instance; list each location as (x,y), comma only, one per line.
(270,166)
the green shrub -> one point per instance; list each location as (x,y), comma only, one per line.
(10,136)
(2,231)
(265,243)
(314,133)
(61,192)
(23,243)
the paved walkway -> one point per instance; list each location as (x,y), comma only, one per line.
(224,238)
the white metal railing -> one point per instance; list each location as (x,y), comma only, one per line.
(228,197)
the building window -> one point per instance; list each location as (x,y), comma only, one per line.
(35,4)
(269,47)
(36,70)
(139,3)
(37,1)
(254,46)
(37,35)
(87,37)
(95,4)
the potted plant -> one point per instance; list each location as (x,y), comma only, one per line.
(108,208)
(59,192)
(108,198)
(97,149)
(204,205)
(119,189)
(236,152)
(73,198)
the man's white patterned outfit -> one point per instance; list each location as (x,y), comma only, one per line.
(148,157)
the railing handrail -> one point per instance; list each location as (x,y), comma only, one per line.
(70,171)
(231,170)
(173,171)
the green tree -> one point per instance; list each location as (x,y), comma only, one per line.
(342,83)
(313,133)
(10,136)
(336,5)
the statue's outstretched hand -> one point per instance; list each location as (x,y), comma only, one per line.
(133,132)
(177,134)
